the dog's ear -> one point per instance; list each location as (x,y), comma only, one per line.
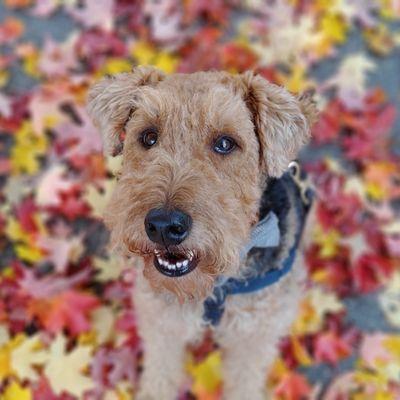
(110,103)
(282,121)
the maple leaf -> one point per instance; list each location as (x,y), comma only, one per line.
(48,286)
(98,199)
(216,10)
(45,106)
(52,182)
(109,268)
(60,251)
(57,59)
(351,80)
(84,136)
(373,351)
(201,52)
(293,386)
(16,391)
(103,320)
(314,308)
(94,47)
(65,370)
(72,205)
(27,150)
(370,272)
(329,347)
(67,310)
(94,13)
(10,30)
(206,374)
(145,53)
(166,18)
(27,354)
(111,366)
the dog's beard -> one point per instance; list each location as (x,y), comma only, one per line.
(197,280)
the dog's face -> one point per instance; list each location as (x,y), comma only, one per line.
(196,151)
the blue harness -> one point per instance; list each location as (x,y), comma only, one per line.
(214,305)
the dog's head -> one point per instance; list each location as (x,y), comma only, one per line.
(196,152)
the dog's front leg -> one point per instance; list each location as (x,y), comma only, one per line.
(246,360)
(164,335)
(163,364)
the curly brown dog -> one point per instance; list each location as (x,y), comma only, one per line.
(203,184)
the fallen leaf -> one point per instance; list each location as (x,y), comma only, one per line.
(66,370)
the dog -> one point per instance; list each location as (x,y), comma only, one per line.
(210,214)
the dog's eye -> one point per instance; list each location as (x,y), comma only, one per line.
(224,145)
(148,138)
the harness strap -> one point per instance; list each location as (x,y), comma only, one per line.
(214,305)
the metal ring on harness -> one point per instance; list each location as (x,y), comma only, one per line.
(303,184)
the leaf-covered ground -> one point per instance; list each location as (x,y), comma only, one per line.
(67,325)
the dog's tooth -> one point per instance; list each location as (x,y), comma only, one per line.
(185,263)
(179,264)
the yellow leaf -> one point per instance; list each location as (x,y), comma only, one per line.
(26,150)
(166,62)
(146,54)
(300,353)
(296,81)
(320,276)
(143,52)
(4,77)
(28,253)
(328,242)
(115,66)
(307,320)
(375,191)
(30,63)
(278,370)
(392,343)
(206,374)
(15,391)
(25,246)
(5,365)
(333,27)
(313,310)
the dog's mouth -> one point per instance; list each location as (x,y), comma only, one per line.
(175,264)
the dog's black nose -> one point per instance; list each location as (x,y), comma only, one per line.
(167,227)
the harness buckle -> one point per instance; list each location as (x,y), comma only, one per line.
(304,183)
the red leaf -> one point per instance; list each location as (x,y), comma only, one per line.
(293,386)
(331,348)
(69,310)
(328,126)
(370,272)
